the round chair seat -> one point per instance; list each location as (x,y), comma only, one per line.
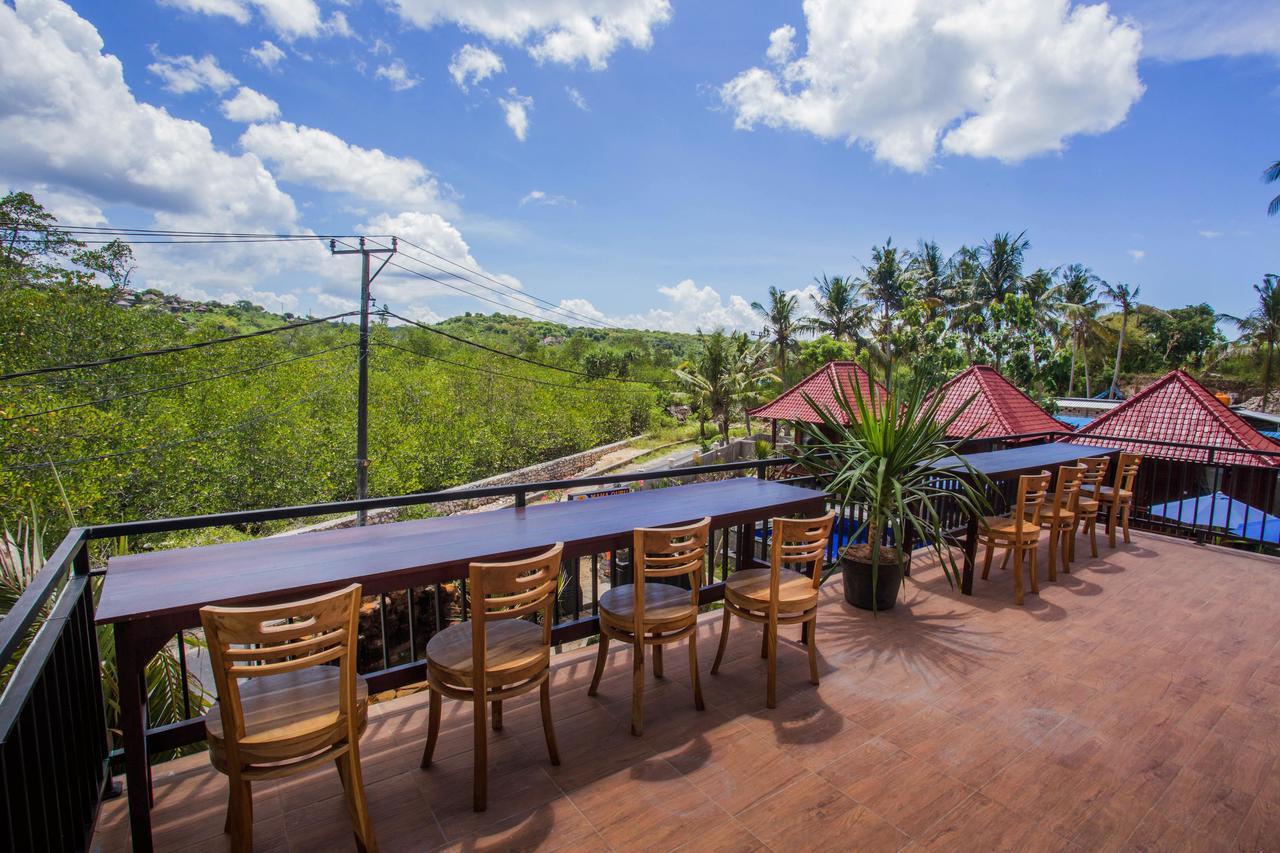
(1004,525)
(513,647)
(1107,493)
(662,603)
(285,716)
(749,589)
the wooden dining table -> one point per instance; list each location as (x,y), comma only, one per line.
(148,598)
(1003,465)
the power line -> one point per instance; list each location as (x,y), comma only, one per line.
(145,391)
(167,350)
(169,444)
(452,337)
(485,369)
(169,232)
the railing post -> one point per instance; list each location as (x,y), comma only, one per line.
(520,498)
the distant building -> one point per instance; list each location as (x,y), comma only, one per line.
(998,407)
(791,405)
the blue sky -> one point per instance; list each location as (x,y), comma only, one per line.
(693,172)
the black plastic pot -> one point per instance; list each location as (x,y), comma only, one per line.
(857,583)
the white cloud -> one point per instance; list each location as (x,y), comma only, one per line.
(185,74)
(250,105)
(1137,254)
(516,108)
(986,78)
(472,65)
(1179,30)
(541,197)
(267,55)
(380,47)
(1209,234)
(575,98)
(291,19)
(781,45)
(320,159)
(565,31)
(397,75)
(689,308)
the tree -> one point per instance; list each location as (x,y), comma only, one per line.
(1126,300)
(1077,290)
(781,325)
(838,309)
(34,250)
(1261,326)
(1270,176)
(999,274)
(1182,337)
(887,284)
(752,373)
(711,379)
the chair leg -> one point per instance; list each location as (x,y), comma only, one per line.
(1053,552)
(547,728)
(353,787)
(812,625)
(637,689)
(480,795)
(693,670)
(657,660)
(239,822)
(1017,573)
(1091,526)
(771,642)
(496,712)
(1068,546)
(433,727)
(724,642)
(986,559)
(600,659)
(1111,521)
(764,644)
(1004,564)
(1124,521)
(1033,566)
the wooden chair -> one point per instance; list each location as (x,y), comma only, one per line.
(1119,497)
(291,713)
(1087,503)
(496,654)
(1019,531)
(1058,515)
(779,595)
(655,614)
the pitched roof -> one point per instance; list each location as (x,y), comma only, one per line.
(790,405)
(999,407)
(1178,408)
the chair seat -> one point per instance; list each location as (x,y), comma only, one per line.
(298,708)
(1056,514)
(1004,525)
(1107,493)
(512,646)
(749,589)
(662,603)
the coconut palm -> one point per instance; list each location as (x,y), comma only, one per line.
(1126,300)
(838,309)
(752,374)
(1079,307)
(932,274)
(1270,176)
(1261,326)
(782,324)
(710,379)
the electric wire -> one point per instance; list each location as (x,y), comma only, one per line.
(485,370)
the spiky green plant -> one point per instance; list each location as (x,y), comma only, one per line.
(888,460)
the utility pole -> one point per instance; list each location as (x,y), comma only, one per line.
(362,394)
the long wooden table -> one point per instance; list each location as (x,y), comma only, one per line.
(1003,464)
(150,597)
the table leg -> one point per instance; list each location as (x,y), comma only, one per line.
(133,729)
(970,554)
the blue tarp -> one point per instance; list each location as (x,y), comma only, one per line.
(1224,513)
(1075,421)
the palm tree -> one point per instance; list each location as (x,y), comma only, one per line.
(999,274)
(933,277)
(1270,176)
(752,374)
(1127,301)
(1262,326)
(1076,292)
(887,283)
(781,324)
(710,379)
(838,309)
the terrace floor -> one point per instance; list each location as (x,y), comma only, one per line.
(1135,704)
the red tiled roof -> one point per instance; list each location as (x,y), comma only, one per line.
(1178,408)
(790,405)
(999,407)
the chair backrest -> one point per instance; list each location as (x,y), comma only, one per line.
(799,541)
(1031,492)
(1067,492)
(511,590)
(256,642)
(1095,474)
(1127,471)
(669,552)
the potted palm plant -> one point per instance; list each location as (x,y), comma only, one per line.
(880,455)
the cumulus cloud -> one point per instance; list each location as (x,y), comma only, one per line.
(549,199)
(185,74)
(515,108)
(322,160)
(267,55)
(1137,254)
(688,308)
(290,19)
(564,31)
(472,65)
(575,98)
(1006,79)
(397,75)
(249,105)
